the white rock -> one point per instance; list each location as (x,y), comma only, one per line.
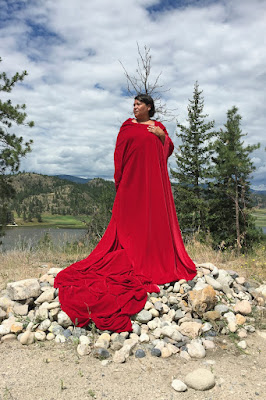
(60,338)
(176,287)
(4,330)
(41,336)
(6,302)
(63,319)
(24,289)
(184,354)
(85,339)
(27,338)
(48,296)
(148,306)
(44,325)
(242,344)
(160,345)
(208,344)
(172,332)
(144,338)
(213,282)
(50,336)
(196,349)
(144,316)
(41,314)
(54,271)
(178,385)
(200,379)
(83,349)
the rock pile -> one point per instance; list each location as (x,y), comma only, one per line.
(183,319)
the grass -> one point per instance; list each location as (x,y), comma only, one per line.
(56,221)
(260,215)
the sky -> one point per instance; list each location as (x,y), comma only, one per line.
(76,88)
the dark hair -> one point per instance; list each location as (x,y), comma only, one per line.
(145,98)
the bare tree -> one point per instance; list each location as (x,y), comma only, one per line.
(141,83)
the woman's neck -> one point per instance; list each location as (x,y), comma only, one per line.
(142,121)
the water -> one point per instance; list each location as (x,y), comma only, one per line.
(29,237)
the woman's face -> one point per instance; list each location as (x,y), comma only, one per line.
(141,110)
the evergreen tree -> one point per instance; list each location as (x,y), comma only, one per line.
(193,168)
(12,147)
(231,223)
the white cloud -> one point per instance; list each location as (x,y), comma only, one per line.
(72,49)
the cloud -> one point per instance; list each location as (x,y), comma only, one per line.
(75,88)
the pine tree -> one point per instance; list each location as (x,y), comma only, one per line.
(231,223)
(193,166)
(12,147)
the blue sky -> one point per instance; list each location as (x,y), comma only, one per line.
(76,85)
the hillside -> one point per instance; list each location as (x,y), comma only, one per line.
(38,195)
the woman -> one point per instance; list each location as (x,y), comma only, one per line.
(142,246)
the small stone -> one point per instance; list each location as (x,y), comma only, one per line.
(212,315)
(21,309)
(60,338)
(148,306)
(158,305)
(48,296)
(240,319)
(41,314)
(143,316)
(83,349)
(154,313)
(178,385)
(84,340)
(40,336)
(136,329)
(166,352)
(176,287)
(56,328)
(54,271)
(8,338)
(173,349)
(208,344)
(184,354)
(213,282)
(200,379)
(67,333)
(242,344)
(27,338)
(140,353)
(50,336)
(243,307)
(44,325)
(190,329)
(144,338)
(196,349)
(202,300)
(17,327)
(206,327)
(242,333)
(4,330)
(155,352)
(63,319)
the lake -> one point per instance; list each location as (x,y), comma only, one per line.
(28,237)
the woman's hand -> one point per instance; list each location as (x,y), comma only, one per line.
(156,130)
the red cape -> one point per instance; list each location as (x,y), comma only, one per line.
(142,246)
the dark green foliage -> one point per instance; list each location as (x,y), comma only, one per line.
(12,147)
(193,168)
(231,223)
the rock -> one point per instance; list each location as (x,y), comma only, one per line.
(262,290)
(44,325)
(101,353)
(60,338)
(56,329)
(176,287)
(136,329)
(242,344)
(6,303)
(155,352)
(17,327)
(178,315)
(144,338)
(63,319)
(54,271)
(143,316)
(155,323)
(208,344)
(213,282)
(243,307)
(83,349)
(119,357)
(171,332)
(184,354)
(172,348)
(190,329)
(24,289)
(41,314)
(202,300)
(27,338)
(200,379)
(242,333)
(140,353)
(212,315)
(2,314)
(206,327)
(48,296)
(21,309)
(240,280)
(196,349)
(40,336)
(50,336)
(240,319)
(221,308)
(85,340)
(166,352)
(4,330)
(178,385)
(158,305)
(8,338)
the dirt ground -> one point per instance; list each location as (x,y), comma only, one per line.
(51,371)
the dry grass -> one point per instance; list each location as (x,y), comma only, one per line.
(28,263)
(251,265)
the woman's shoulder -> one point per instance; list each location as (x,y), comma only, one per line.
(158,123)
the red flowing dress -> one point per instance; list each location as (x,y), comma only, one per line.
(142,246)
